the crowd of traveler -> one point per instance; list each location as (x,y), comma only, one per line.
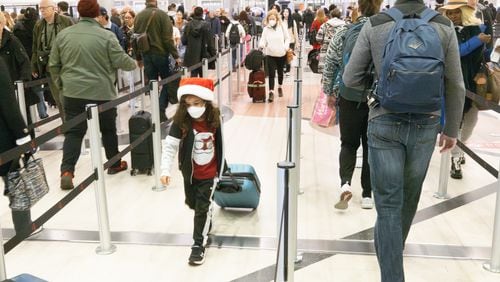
(81,57)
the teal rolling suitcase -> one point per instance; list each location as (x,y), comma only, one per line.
(239,187)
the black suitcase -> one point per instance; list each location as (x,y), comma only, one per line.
(142,155)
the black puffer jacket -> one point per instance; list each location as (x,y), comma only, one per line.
(18,62)
(15,56)
(197,37)
(12,124)
(470,63)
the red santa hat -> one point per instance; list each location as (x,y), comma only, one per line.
(197,86)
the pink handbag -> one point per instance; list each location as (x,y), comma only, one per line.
(322,114)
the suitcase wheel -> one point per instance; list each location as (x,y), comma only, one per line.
(148,172)
(133,172)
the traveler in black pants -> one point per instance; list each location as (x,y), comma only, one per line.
(353,123)
(275,41)
(74,136)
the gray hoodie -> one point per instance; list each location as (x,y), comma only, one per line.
(370,46)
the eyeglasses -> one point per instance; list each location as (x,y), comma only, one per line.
(128,18)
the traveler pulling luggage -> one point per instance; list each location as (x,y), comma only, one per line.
(256,86)
(142,155)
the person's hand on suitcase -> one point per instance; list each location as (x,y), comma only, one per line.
(165,180)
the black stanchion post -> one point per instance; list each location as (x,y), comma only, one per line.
(285,262)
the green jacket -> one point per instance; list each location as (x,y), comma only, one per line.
(60,23)
(84,60)
(160,32)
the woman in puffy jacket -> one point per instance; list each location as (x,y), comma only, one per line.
(275,41)
(14,132)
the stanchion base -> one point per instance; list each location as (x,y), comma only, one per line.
(487,266)
(100,251)
(441,197)
(159,189)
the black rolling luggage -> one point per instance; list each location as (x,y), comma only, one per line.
(142,155)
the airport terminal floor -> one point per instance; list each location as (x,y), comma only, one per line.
(449,241)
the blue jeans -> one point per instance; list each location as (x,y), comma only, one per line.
(400,149)
(154,66)
(42,108)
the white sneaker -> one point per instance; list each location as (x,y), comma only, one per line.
(345,197)
(367,203)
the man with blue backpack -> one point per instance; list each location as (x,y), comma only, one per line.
(417,67)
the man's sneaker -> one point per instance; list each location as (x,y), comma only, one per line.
(67,180)
(456,169)
(367,203)
(345,197)
(197,256)
(114,170)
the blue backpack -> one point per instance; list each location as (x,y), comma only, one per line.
(358,93)
(411,79)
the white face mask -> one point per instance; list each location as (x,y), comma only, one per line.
(272,22)
(196,112)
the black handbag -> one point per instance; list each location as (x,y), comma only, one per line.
(26,185)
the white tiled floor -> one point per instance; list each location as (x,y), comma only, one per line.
(256,135)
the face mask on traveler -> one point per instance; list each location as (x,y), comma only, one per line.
(272,22)
(196,112)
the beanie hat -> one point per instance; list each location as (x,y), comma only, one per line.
(88,8)
(197,86)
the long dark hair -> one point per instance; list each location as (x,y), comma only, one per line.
(289,21)
(369,8)
(184,120)
(244,17)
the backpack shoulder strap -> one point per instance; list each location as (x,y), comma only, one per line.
(394,13)
(428,14)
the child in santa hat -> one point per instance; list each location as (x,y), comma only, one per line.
(196,134)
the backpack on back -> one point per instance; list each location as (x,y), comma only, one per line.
(411,78)
(358,93)
(234,34)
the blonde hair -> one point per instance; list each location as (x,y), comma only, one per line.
(469,16)
(276,15)
(320,15)
(6,20)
